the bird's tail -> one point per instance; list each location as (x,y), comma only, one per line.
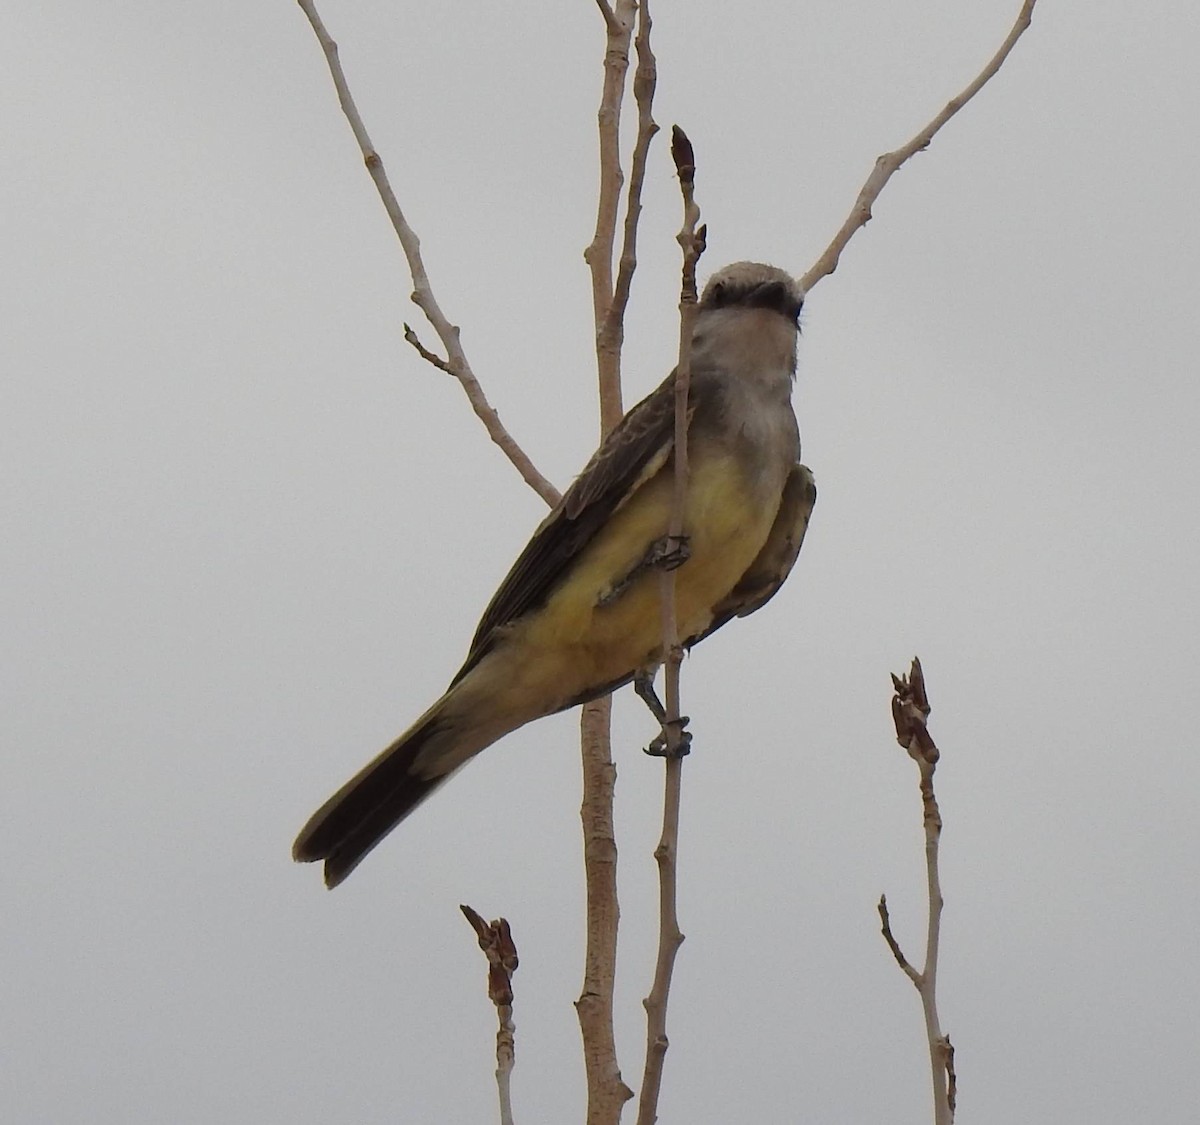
(344,829)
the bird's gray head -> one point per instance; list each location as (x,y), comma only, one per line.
(753,285)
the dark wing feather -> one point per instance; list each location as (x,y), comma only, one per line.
(774,562)
(644,436)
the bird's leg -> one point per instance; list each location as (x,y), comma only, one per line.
(667,553)
(643,684)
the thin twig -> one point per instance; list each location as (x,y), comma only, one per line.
(429,357)
(910,711)
(887,164)
(894,945)
(496,941)
(670,938)
(456,362)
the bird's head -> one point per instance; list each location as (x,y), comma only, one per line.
(753,285)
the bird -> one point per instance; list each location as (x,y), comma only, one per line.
(578,614)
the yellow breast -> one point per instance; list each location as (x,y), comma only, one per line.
(574,643)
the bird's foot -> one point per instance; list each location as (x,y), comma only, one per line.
(670,552)
(673,741)
(667,553)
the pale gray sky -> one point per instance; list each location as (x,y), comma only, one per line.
(248,534)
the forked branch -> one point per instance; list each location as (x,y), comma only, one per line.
(455,363)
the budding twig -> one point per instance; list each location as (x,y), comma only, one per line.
(910,711)
(496,941)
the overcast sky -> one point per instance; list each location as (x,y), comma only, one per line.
(247,535)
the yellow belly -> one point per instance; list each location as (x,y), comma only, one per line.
(573,643)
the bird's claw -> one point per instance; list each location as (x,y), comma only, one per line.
(670,552)
(673,741)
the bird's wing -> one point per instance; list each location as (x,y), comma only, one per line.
(633,452)
(774,562)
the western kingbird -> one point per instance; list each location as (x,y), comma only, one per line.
(578,615)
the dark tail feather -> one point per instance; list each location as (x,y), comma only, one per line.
(344,829)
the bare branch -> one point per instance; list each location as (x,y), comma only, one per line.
(496,941)
(670,938)
(607,1091)
(887,164)
(910,710)
(645,79)
(618,21)
(456,363)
